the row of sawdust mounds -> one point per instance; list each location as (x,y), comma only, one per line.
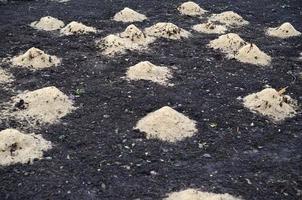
(193,194)
(148,71)
(43,106)
(17,147)
(235,47)
(131,39)
(35,59)
(286,30)
(5,77)
(229,18)
(48,23)
(167,124)
(167,30)
(191,9)
(210,28)
(129,15)
(272,104)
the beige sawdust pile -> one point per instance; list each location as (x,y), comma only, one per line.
(17,147)
(251,54)
(147,71)
(286,30)
(35,59)
(271,103)
(167,30)
(129,15)
(193,194)
(210,28)
(42,106)
(191,9)
(131,39)
(48,23)
(167,124)
(229,18)
(77,28)
(5,77)
(229,43)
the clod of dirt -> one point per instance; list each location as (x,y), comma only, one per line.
(5,77)
(272,104)
(131,39)
(229,43)
(193,194)
(77,28)
(191,9)
(46,105)
(251,54)
(129,15)
(47,23)
(167,124)
(147,71)
(286,30)
(17,147)
(167,30)
(229,18)
(35,59)
(210,28)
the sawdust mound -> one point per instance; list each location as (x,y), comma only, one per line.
(251,54)
(167,124)
(272,104)
(229,18)
(129,15)
(286,30)
(191,9)
(210,28)
(147,71)
(17,147)
(5,77)
(131,39)
(167,30)
(46,105)
(48,23)
(35,59)
(77,28)
(192,194)
(229,43)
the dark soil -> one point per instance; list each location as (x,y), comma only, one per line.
(97,155)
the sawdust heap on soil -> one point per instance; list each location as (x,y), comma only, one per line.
(47,23)
(45,105)
(17,147)
(35,59)
(286,30)
(229,43)
(129,15)
(5,77)
(191,9)
(210,28)
(251,54)
(193,194)
(77,28)
(229,18)
(167,30)
(147,71)
(167,124)
(272,104)
(131,39)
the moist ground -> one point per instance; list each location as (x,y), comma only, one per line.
(235,151)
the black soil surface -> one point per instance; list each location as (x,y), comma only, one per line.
(97,154)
